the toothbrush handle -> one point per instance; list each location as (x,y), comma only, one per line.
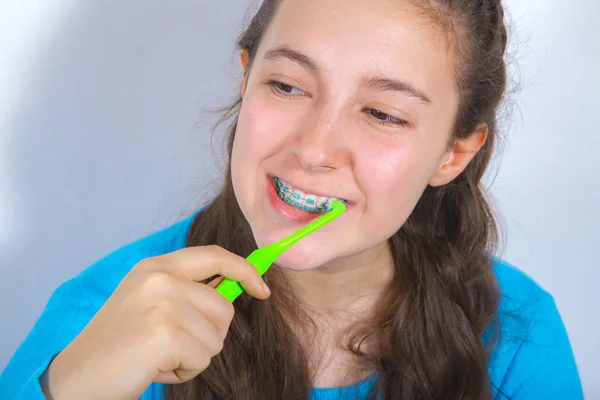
(230,289)
(261,259)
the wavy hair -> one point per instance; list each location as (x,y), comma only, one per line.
(436,323)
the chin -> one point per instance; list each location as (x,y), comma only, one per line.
(305,255)
(299,259)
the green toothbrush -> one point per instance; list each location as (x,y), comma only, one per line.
(263,258)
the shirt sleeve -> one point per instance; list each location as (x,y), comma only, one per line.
(73,305)
(543,366)
(66,314)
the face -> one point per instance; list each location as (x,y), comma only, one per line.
(351,100)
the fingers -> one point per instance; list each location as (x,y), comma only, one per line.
(199,263)
(215,282)
(187,360)
(216,308)
(191,346)
(203,329)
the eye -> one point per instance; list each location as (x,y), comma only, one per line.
(385,119)
(284,89)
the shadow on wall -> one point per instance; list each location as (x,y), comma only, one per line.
(110,143)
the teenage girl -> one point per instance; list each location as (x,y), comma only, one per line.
(391,106)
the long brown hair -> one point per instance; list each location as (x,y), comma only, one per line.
(430,323)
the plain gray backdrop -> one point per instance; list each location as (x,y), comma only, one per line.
(103,139)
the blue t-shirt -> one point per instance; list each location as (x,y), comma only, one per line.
(533,359)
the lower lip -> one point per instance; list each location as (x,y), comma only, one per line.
(287,211)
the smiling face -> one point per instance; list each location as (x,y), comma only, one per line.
(352,100)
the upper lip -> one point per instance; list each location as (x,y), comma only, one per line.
(315,192)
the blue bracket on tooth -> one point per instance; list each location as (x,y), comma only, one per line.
(296,196)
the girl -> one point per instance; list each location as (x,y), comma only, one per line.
(391,106)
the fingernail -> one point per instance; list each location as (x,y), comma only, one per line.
(266,288)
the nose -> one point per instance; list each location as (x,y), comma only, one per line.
(320,145)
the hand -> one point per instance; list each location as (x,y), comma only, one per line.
(160,325)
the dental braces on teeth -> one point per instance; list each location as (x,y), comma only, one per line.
(307,202)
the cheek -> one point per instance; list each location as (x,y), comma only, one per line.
(256,136)
(396,181)
(254,132)
(260,134)
(263,124)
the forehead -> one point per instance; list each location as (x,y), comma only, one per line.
(348,38)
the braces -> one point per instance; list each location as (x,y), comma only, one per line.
(295,200)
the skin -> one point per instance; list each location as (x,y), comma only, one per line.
(317,130)
(162,325)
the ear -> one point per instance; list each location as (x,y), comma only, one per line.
(244,61)
(459,156)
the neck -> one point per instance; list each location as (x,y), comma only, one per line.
(347,284)
(336,297)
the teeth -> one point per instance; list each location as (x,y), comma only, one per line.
(310,202)
(297,198)
(322,202)
(301,200)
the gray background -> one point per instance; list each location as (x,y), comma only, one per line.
(103,139)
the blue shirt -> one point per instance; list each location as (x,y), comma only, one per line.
(533,359)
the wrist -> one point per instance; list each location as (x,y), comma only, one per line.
(57,384)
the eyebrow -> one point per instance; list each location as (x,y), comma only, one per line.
(394,85)
(373,82)
(286,52)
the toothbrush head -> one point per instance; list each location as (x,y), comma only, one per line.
(338,205)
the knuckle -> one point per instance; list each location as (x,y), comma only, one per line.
(214,340)
(219,346)
(224,324)
(166,334)
(228,312)
(158,282)
(149,263)
(203,363)
(224,311)
(250,271)
(214,346)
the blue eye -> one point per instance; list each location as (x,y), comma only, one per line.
(284,89)
(385,119)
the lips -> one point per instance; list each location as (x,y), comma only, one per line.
(285,210)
